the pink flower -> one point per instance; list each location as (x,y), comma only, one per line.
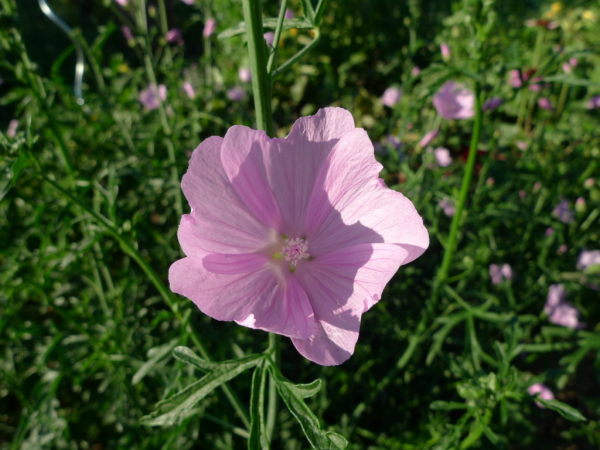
(454,101)
(445,51)
(209,27)
(498,273)
(491,103)
(594,102)
(173,35)
(149,97)
(188,2)
(566,67)
(515,78)
(269,38)
(448,207)
(236,94)
(544,392)
(545,103)
(506,271)
(289,14)
(522,194)
(522,145)
(589,183)
(442,156)
(559,310)
(415,71)
(189,90)
(588,258)
(123,3)
(573,62)
(391,96)
(563,212)
(11,132)
(245,75)
(127,32)
(296,236)
(428,138)
(535,87)
(549,231)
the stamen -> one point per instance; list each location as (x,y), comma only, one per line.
(295,250)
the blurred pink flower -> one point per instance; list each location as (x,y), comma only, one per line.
(245,75)
(454,101)
(174,35)
(522,194)
(428,138)
(543,390)
(573,62)
(589,182)
(209,27)
(11,132)
(189,90)
(123,3)
(535,87)
(296,236)
(391,96)
(127,32)
(149,97)
(269,38)
(580,204)
(514,78)
(559,310)
(537,186)
(507,272)
(188,2)
(522,145)
(566,67)
(236,94)
(549,231)
(289,14)
(415,71)
(448,207)
(498,273)
(442,156)
(562,249)
(545,103)
(491,103)
(445,51)
(563,212)
(593,102)
(588,258)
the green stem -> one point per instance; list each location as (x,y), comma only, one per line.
(277,36)
(257,52)
(561,101)
(274,348)
(300,54)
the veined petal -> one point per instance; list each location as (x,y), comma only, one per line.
(341,286)
(234,264)
(267,299)
(219,222)
(350,205)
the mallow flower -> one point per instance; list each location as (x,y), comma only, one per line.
(454,101)
(297,236)
(559,310)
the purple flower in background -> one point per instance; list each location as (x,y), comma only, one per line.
(588,258)
(563,212)
(549,231)
(454,101)
(296,236)
(514,78)
(11,132)
(545,103)
(448,207)
(127,32)
(149,97)
(289,14)
(543,390)
(428,138)
(189,90)
(593,102)
(415,71)
(236,94)
(269,38)
(559,310)
(210,27)
(245,75)
(445,51)
(442,156)
(391,96)
(173,35)
(491,103)
(394,141)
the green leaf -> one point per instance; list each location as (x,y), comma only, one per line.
(568,412)
(293,395)
(268,24)
(10,173)
(180,406)
(447,406)
(258,438)
(155,354)
(319,13)
(186,355)
(440,336)
(309,11)
(566,79)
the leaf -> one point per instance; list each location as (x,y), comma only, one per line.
(186,355)
(309,11)
(180,405)
(293,395)
(11,173)
(568,412)
(319,13)
(268,24)
(566,79)
(155,354)
(440,336)
(447,406)
(258,439)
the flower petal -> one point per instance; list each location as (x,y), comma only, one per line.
(219,222)
(234,264)
(274,299)
(341,286)
(350,205)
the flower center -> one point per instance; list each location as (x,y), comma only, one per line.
(294,250)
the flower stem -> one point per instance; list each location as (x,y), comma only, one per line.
(274,347)
(257,52)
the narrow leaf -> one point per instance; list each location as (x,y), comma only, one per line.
(11,174)
(258,438)
(268,24)
(158,353)
(319,13)
(566,79)
(180,406)
(447,406)
(568,412)
(309,11)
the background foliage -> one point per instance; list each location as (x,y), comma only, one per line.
(86,336)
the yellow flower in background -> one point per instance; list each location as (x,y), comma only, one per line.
(123,68)
(556,7)
(589,15)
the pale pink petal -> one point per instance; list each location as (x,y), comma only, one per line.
(219,222)
(350,205)
(234,264)
(274,300)
(341,286)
